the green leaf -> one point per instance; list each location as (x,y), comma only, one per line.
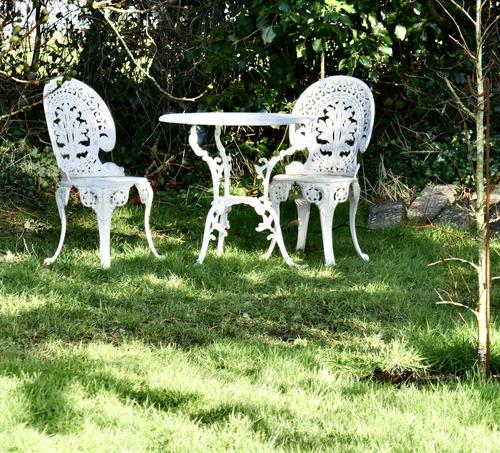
(317,45)
(346,20)
(284,6)
(339,5)
(268,34)
(301,50)
(400,32)
(386,50)
(365,61)
(372,19)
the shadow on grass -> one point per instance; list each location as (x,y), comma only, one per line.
(49,384)
(235,297)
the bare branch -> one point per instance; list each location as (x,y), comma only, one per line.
(461,260)
(109,7)
(143,71)
(457,304)
(461,8)
(15,79)
(489,28)
(464,45)
(26,107)
(21,110)
(452,302)
(457,100)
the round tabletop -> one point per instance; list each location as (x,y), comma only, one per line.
(234,118)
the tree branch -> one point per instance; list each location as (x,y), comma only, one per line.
(462,9)
(143,71)
(106,5)
(455,22)
(489,28)
(457,304)
(461,260)
(457,100)
(15,79)
(21,110)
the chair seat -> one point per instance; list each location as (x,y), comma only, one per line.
(315,178)
(103,181)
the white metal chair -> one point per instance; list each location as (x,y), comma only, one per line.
(342,111)
(80,124)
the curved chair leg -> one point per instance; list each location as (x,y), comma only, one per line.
(353,207)
(326,211)
(303,211)
(224,223)
(276,206)
(62,198)
(146,194)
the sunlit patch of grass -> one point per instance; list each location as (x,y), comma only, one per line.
(237,354)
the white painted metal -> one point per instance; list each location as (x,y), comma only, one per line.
(232,118)
(342,109)
(80,124)
(220,169)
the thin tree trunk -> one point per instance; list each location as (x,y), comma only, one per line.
(483,284)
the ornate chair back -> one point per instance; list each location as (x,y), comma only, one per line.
(79,124)
(343,110)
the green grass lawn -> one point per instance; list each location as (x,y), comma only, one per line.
(237,354)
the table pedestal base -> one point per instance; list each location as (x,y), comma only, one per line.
(217,220)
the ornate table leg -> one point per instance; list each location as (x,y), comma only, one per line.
(278,192)
(62,198)
(220,168)
(271,222)
(224,223)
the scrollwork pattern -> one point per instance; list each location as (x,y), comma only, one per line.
(324,193)
(80,124)
(342,108)
(104,200)
(119,198)
(89,197)
(279,191)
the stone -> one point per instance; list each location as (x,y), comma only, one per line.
(494,211)
(387,214)
(456,215)
(494,195)
(431,202)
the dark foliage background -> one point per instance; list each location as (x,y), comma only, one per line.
(236,55)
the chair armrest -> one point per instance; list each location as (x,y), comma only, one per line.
(265,169)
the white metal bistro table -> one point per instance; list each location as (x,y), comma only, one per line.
(220,169)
